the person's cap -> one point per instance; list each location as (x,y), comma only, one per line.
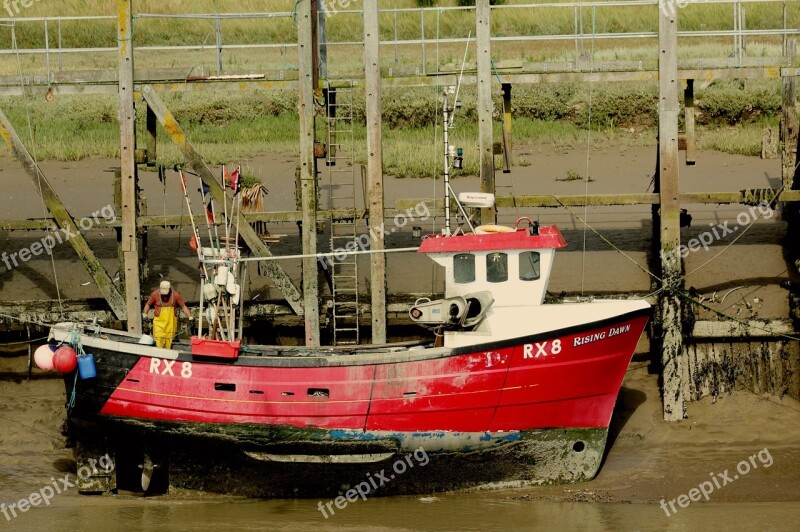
(163,289)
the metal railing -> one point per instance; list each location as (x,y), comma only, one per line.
(583,31)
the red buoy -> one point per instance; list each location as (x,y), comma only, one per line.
(65,360)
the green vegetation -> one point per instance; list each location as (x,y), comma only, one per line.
(572,175)
(227,126)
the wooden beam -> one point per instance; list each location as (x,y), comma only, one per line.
(63,220)
(194,159)
(377,262)
(306,9)
(127,140)
(483,34)
(669,216)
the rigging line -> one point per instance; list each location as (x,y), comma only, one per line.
(607,241)
(588,157)
(32,152)
(460,76)
(755,325)
(740,235)
(313,255)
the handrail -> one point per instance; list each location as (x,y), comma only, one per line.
(427,37)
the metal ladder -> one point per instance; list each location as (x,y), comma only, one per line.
(340,160)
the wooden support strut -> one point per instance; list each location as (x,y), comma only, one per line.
(257,247)
(306,13)
(63,220)
(485,144)
(372,72)
(127,139)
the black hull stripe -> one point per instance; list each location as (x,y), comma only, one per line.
(393,358)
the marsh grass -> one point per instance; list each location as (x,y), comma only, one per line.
(229,126)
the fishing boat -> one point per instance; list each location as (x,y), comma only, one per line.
(504,388)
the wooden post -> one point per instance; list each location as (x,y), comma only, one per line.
(127,148)
(688,109)
(789,123)
(308,170)
(377,263)
(507,146)
(68,229)
(669,219)
(483,34)
(152,137)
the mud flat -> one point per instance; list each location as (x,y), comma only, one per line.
(647,459)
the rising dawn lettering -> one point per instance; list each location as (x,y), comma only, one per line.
(589,338)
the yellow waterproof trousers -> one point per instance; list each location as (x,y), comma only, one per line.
(165,326)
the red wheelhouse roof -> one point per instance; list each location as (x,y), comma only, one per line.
(549,237)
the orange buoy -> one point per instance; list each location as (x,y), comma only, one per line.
(65,360)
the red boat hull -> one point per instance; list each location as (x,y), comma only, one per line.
(566,380)
(528,409)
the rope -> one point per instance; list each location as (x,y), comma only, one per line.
(611,244)
(685,295)
(740,235)
(588,157)
(23,342)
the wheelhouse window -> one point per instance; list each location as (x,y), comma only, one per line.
(464,268)
(496,267)
(529,266)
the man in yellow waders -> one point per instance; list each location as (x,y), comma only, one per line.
(165,302)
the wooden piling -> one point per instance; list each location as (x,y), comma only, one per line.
(127,139)
(377,263)
(308,171)
(485,146)
(669,215)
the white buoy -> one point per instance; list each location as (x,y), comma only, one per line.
(222,276)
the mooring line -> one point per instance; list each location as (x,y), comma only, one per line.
(740,235)
(685,295)
(607,241)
